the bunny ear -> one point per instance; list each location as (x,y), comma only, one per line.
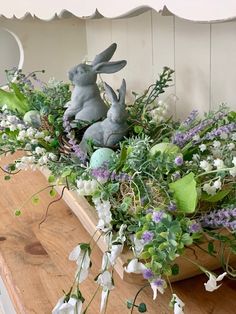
(122,91)
(105,55)
(110,93)
(109,67)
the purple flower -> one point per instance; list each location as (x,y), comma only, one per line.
(224,217)
(147,273)
(157,216)
(149,211)
(172,207)
(147,236)
(190,119)
(224,129)
(179,161)
(158,282)
(194,227)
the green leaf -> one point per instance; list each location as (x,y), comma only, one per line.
(14,100)
(66,173)
(17,212)
(211,248)
(7,178)
(138,129)
(123,156)
(175,269)
(185,193)
(35,199)
(51,179)
(53,192)
(215,198)
(142,308)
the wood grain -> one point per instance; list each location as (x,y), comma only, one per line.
(35,268)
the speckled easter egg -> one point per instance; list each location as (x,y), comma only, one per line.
(32,117)
(168,148)
(100,156)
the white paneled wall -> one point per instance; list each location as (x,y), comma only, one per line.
(202,55)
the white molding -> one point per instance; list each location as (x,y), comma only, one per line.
(195,10)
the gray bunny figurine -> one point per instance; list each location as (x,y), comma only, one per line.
(111,130)
(86,103)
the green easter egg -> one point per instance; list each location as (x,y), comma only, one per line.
(100,156)
(32,117)
(168,148)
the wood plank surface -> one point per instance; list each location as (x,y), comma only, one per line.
(34,260)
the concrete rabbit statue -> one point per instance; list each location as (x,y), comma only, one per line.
(111,130)
(86,103)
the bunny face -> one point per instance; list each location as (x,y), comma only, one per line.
(82,75)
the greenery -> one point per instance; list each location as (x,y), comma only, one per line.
(169,185)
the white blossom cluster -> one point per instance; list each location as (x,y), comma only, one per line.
(104,214)
(159,112)
(86,187)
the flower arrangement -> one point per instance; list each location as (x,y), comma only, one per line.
(167,185)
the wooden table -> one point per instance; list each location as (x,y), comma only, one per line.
(34,260)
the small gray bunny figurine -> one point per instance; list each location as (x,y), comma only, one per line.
(111,130)
(86,103)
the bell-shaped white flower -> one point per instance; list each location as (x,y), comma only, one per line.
(135,266)
(116,250)
(80,256)
(211,284)
(81,274)
(73,306)
(178,304)
(106,282)
(158,285)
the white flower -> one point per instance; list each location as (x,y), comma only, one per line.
(81,274)
(196,157)
(205,165)
(223,136)
(216,144)
(202,147)
(135,266)
(21,136)
(219,164)
(80,256)
(73,306)
(217,184)
(34,142)
(86,187)
(13,127)
(39,135)
(116,250)
(231,146)
(106,282)
(4,107)
(138,245)
(233,136)
(52,156)
(39,150)
(177,304)
(28,146)
(104,214)
(158,285)
(211,190)
(234,161)
(211,284)
(30,132)
(232,172)
(105,261)
(196,138)
(47,138)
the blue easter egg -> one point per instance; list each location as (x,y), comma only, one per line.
(100,156)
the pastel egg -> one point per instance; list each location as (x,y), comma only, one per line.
(100,156)
(32,117)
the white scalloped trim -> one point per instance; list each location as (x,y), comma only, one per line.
(195,10)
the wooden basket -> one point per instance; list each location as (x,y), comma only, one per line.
(88,217)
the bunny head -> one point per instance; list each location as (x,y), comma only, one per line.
(117,112)
(85,74)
